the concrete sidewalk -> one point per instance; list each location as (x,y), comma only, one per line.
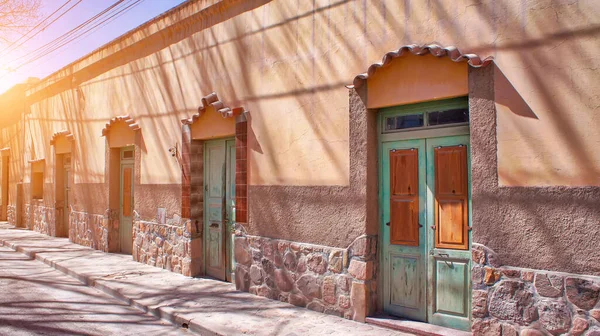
(207,306)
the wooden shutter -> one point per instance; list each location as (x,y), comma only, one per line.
(404,197)
(451,198)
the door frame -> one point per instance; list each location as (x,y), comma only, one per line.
(228,218)
(426,132)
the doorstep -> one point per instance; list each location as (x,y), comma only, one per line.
(418,328)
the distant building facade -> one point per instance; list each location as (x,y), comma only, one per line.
(454,181)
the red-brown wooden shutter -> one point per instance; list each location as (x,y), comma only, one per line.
(451,198)
(404,197)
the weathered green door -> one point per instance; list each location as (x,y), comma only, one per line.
(425,200)
(219,184)
(126,200)
(448,243)
(404,239)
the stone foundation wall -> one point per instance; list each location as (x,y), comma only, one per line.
(26,215)
(169,246)
(331,280)
(43,219)
(11,213)
(90,230)
(516,301)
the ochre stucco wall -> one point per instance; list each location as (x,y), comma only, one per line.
(287,64)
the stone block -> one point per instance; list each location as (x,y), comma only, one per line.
(256,274)
(361,270)
(478,254)
(289,261)
(359,297)
(241,251)
(344,283)
(242,279)
(555,316)
(297,300)
(491,276)
(316,263)
(527,276)
(309,286)
(283,281)
(336,261)
(513,301)
(328,290)
(486,327)
(509,330)
(477,274)
(549,285)
(361,247)
(582,293)
(301,267)
(344,301)
(479,303)
(580,325)
(595,313)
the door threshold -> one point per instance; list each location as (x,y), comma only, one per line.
(417,328)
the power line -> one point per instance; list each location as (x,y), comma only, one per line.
(51,22)
(56,47)
(46,52)
(72,31)
(37,25)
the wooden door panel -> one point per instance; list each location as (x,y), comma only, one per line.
(451,197)
(403,211)
(406,289)
(404,172)
(451,169)
(404,197)
(451,216)
(451,287)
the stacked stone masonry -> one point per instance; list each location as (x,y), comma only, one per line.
(91,230)
(512,301)
(169,246)
(334,281)
(11,213)
(43,219)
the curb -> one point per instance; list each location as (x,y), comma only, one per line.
(159,312)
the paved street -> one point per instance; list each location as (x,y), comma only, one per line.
(39,300)
(42,299)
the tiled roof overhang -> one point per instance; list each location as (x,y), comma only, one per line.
(66,133)
(126,119)
(438,51)
(212,100)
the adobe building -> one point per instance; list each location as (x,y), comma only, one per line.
(436,161)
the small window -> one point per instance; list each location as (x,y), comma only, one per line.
(128,154)
(404,122)
(455,116)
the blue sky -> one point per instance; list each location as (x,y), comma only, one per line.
(144,11)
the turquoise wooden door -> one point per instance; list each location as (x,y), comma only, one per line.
(126,208)
(448,222)
(426,235)
(219,161)
(425,199)
(404,238)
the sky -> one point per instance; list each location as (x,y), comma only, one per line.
(50,62)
